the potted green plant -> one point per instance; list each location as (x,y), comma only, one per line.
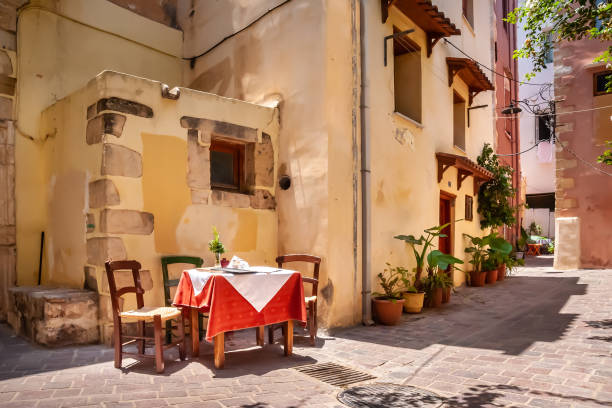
(478,254)
(521,244)
(387,306)
(420,247)
(489,267)
(437,280)
(413,297)
(500,249)
(512,262)
(215,246)
(447,288)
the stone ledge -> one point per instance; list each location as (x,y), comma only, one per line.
(119,105)
(54,316)
(126,222)
(106,123)
(229,199)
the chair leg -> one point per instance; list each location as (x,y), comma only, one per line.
(271,334)
(141,332)
(201,324)
(312,322)
(117,341)
(159,345)
(182,344)
(168,331)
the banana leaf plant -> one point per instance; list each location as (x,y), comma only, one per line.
(499,249)
(478,251)
(420,247)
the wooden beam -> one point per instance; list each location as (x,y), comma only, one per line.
(461,176)
(442,167)
(432,40)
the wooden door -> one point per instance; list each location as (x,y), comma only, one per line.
(444,243)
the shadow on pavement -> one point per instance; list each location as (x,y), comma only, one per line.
(508,316)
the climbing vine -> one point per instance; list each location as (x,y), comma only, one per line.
(494,195)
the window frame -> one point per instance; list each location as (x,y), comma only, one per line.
(457,100)
(469,215)
(238,152)
(406,46)
(467,10)
(597,75)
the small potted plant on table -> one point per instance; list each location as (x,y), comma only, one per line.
(216,247)
(387,306)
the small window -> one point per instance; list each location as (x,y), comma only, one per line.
(600,82)
(458,121)
(545,128)
(226,165)
(468,11)
(407,77)
(505,11)
(469,208)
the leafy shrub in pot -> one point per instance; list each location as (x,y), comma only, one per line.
(387,306)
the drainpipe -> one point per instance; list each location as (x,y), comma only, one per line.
(366,217)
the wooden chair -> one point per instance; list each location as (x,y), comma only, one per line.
(168,283)
(141,315)
(311,301)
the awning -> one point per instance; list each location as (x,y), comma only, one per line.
(469,71)
(465,168)
(542,200)
(426,16)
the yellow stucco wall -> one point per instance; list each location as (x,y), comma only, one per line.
(181,226)
(305,54)
(61,46)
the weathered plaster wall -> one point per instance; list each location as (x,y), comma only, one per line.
(8,78)
(133,193)
(300,55)
(405,192)
(62,45)
(507,130)
(581,190)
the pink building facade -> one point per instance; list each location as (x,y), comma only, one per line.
(583,189)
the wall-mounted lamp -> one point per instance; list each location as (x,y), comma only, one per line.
(284,182)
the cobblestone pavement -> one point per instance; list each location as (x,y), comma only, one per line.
(541,338)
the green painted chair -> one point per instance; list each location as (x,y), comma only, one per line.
(168,283)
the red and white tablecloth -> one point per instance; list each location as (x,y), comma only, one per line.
(240,301)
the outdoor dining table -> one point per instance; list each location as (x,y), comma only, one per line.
(239,300)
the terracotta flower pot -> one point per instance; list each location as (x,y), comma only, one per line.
(501,272)
(446,295)
(387,312)
(492,276)
(435,298)
(413,302)
(477,278)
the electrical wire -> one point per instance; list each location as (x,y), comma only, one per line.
(524,151)
(573,153)
(237,32)
(552,114)
(492,70)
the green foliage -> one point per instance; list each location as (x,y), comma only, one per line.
(420,246)
(606,156)
(390,280)
(477,251)
(535,229)
(494,195)
(563,20)
(215,246)
(521,243)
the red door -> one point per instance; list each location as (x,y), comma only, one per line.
(444,243)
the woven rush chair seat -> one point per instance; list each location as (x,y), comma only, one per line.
(147,313)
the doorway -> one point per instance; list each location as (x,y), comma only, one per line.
(447,206)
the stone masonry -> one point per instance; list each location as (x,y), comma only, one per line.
(8,71)
(54,317)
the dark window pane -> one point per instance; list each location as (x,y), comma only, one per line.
(601,80)
(222,168)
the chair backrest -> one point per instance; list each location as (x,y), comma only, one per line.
(134,266)
(169,260)
(315,260)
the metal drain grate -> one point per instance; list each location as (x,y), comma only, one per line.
(334,374)
(389,396)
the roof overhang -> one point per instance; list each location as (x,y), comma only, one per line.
(465,168)
(425,15)
(469,71)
